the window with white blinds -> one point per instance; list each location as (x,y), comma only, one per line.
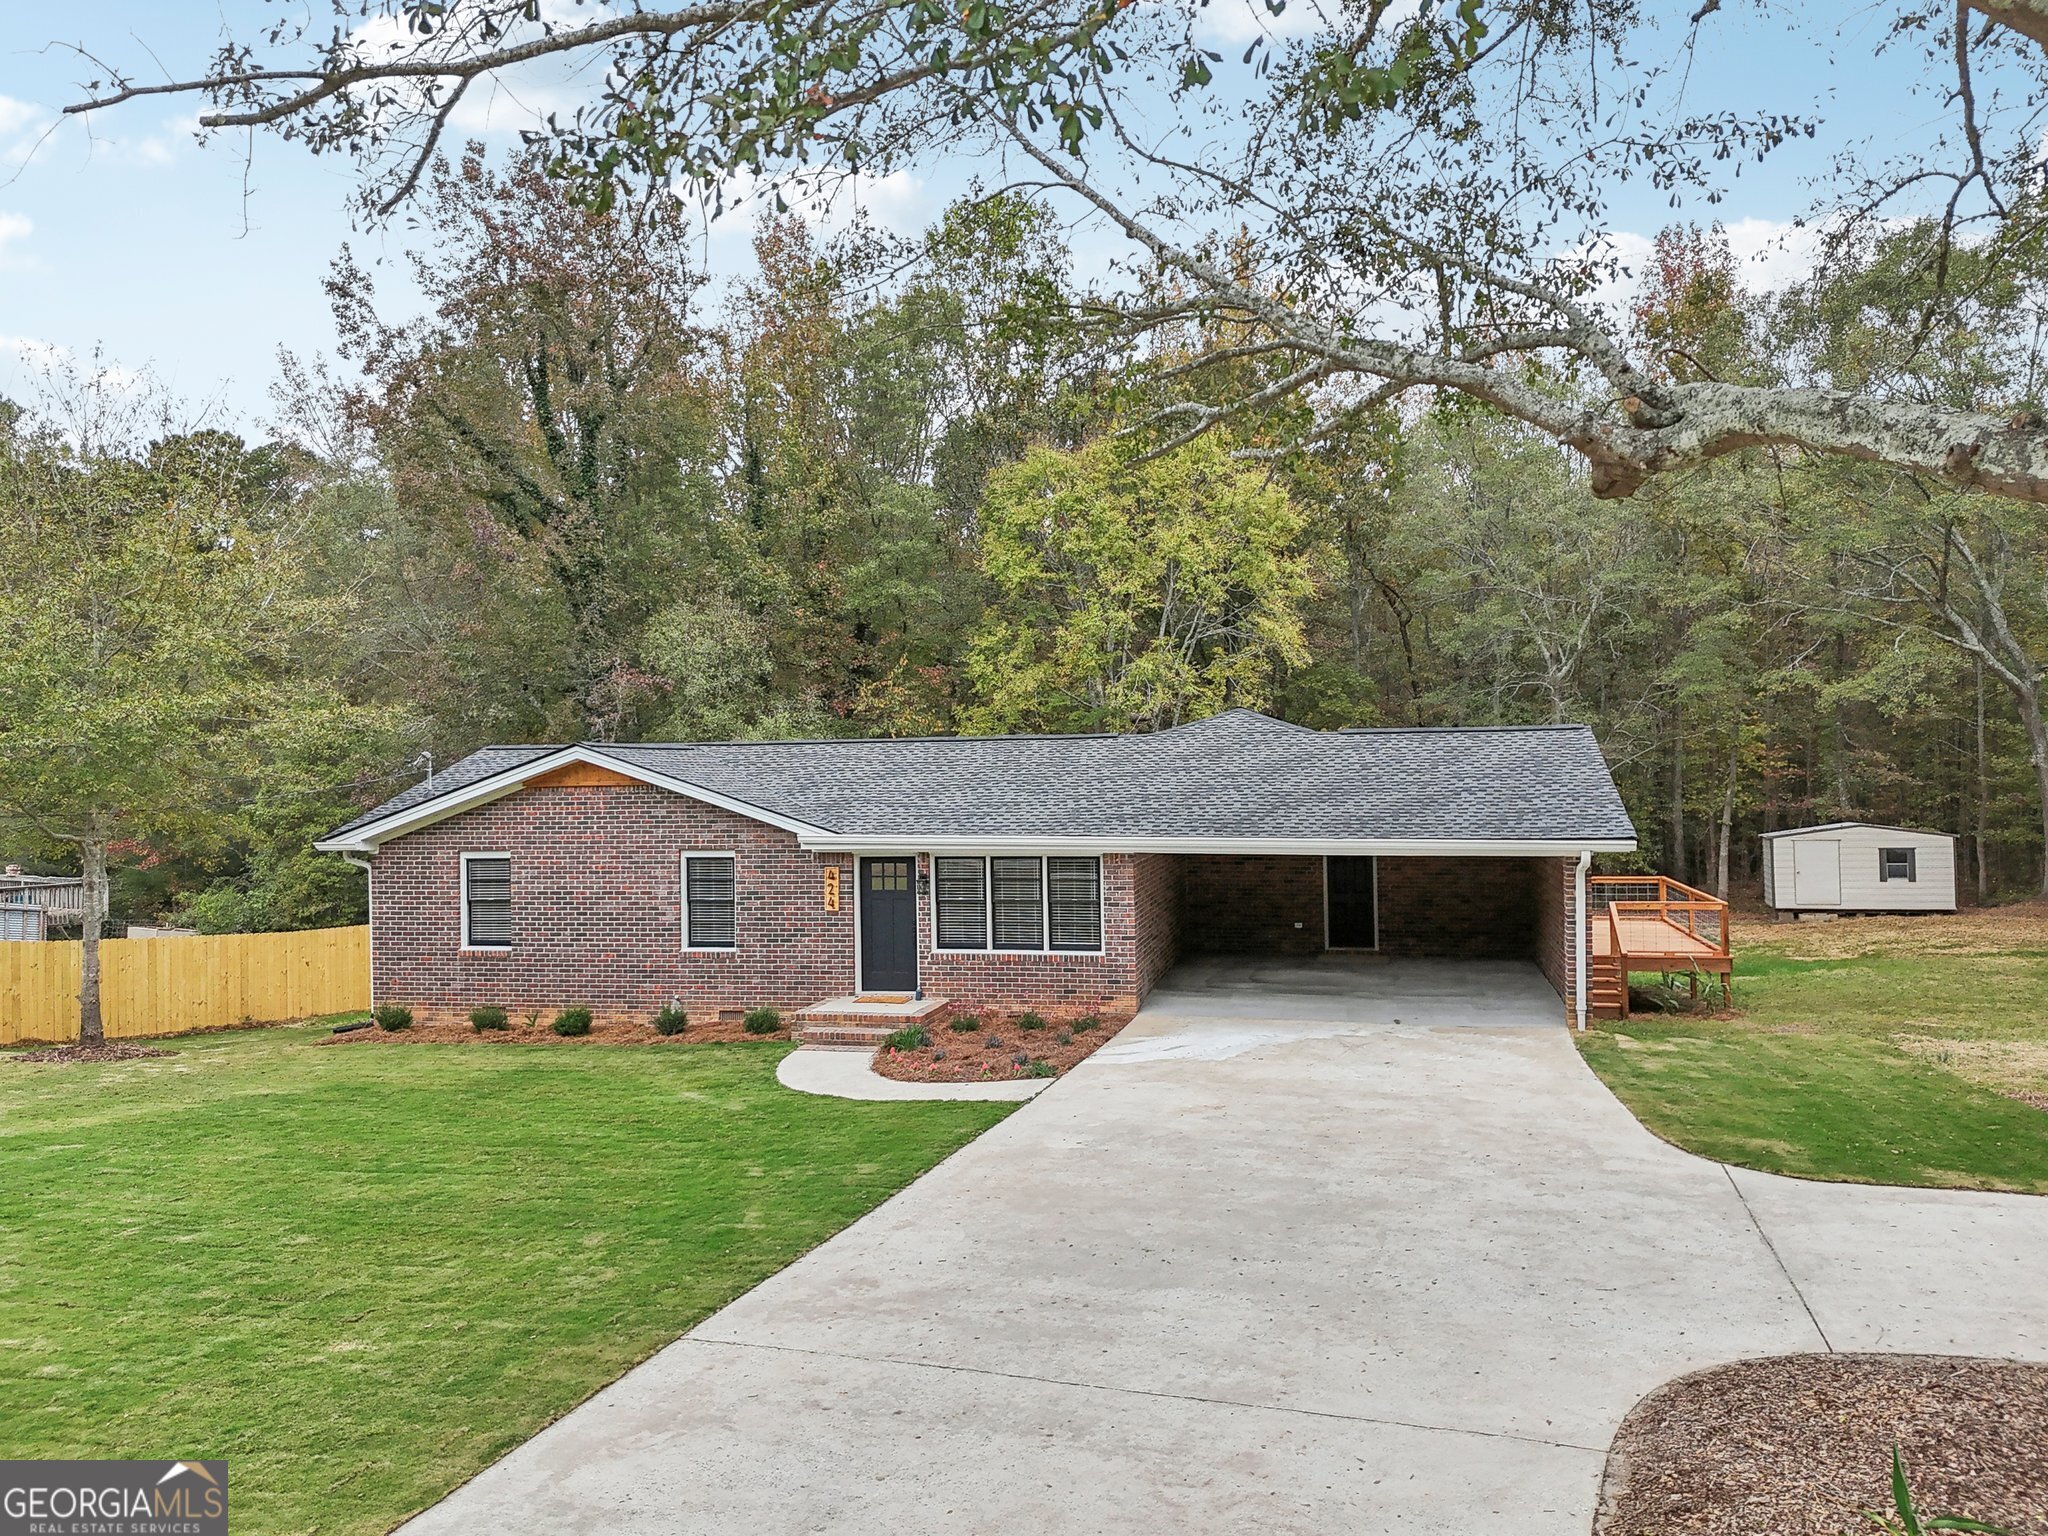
(486,901)
(962,890)
(1018,903)
(710,901)
(1073,903)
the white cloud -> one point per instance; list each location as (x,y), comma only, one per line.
(1773,254)
(1234,23)
(14,226)
(15,115)
(896,201)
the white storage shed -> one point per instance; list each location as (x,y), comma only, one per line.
(1852,866)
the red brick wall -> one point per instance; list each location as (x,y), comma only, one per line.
(597,918)
(1252,904)
(1158,889)
(1556,886)
(597,909)
(1059,985)
(1456,908)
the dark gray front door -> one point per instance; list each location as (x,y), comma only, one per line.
(888,925)
(1353,922)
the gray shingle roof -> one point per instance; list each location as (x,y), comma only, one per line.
(1235,775)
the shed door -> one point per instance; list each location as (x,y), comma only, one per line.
(1816,872)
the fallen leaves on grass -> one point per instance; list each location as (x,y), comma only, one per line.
(2016,1068)
(112,1050)
(1801,1445)
(1977,931)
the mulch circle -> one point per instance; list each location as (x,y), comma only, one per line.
(957,1057)
(1801,1445)
(113,1050)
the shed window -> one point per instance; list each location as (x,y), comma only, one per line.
(486,901)
(963,903)
(1897,864)
(710,901)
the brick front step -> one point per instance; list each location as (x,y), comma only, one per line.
(844,1037)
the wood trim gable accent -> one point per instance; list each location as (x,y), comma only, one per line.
(579,776)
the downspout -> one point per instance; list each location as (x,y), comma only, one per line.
(1579,938)
(370,906)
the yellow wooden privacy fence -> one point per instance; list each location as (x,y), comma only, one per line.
(164,986)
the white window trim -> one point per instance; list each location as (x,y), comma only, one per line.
(463,897)
(683,875)
(988,906)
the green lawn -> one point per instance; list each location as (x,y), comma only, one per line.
(1879,1067)
(362,1272)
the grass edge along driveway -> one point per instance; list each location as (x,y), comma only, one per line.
(363,1272)
(1851,1059)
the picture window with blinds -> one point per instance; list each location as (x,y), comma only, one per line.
(710,901)
(486,901)
(1018,903)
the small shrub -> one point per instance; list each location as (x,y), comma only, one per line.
(1041,1068)
(762,1021)
(533,1018)
(964,1023)
(1082,1026)
(939,1054)
(912,1037)
(1029,1021)
(392,1017)
(481,1019)
(671,1021)
(572,1021)
(994,1042)
(1021,1059)
(1065,1037)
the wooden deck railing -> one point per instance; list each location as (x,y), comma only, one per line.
(1624,901)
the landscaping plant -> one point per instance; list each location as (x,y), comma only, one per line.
(572,1021)
(481,1019)
(912,1037)
(1040,1067)
(392,1017)
(964,1023)
(1904,1520)
(671,1020)
(1029,1021)
(1082,1026)
(763,1021)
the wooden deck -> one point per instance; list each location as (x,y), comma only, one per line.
(1637,923)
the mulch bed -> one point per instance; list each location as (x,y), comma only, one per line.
(113,1050)
(1801,1445)
(698,1032)
(967,1057)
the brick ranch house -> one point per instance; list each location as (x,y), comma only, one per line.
(1062,873)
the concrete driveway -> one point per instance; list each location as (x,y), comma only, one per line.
(1270,1261)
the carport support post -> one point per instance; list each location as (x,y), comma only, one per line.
(1579,939)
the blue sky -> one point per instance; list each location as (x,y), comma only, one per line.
(129,240)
